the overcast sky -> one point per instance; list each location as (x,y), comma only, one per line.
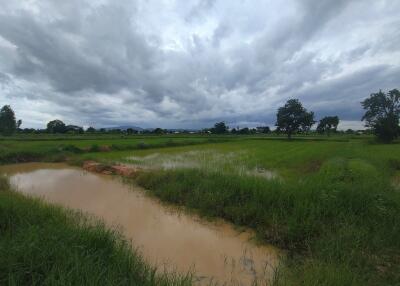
(171,63)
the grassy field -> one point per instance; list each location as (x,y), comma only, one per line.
(332,203)
(46,245)
(56,148)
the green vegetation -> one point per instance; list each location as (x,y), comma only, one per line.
(328,124)
(293,117)
(383,114)
(333,206)
(332,202)
(46,245)
(59,148)
(56,126)
(8,123)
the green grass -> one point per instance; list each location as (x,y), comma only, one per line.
(332,206)
(290,158)
(47,245)
(37,148)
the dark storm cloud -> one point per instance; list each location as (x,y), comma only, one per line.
(188,64)
(104,56)
(344,94)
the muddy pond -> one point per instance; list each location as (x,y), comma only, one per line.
(168,238)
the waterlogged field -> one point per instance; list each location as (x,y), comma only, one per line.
(332,205)
(290,159)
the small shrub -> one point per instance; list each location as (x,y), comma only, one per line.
(116,147)
(394,164)
(143,145)
(71,148)
(94,148)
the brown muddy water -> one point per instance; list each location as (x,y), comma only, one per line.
(168,238)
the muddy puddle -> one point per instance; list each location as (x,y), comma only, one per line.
(170,239)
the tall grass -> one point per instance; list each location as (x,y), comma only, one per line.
(340,224)
(47,245)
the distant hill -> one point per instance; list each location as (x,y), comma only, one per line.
(124,127)
(182,130)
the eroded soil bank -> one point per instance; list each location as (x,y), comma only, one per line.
(166,237)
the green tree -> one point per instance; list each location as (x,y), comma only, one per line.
(73,129)
(131,131)
(328,124)
(91,129)
(264,129)
(56,126)
(293,117)
(220,128)
(158,131)
(245,130)
(307,121)
(8,124)
(382,114)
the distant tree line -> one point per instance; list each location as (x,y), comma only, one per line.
(222,128)
(57,126)
(8,126)
(382,115)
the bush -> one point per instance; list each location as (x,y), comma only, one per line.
(71,148)
(94,148)
(143,145)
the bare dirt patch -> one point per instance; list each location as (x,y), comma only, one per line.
(122,170)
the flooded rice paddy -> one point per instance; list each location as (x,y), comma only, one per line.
(171,239)
(231,162)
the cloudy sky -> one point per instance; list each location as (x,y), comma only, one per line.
(188,64)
